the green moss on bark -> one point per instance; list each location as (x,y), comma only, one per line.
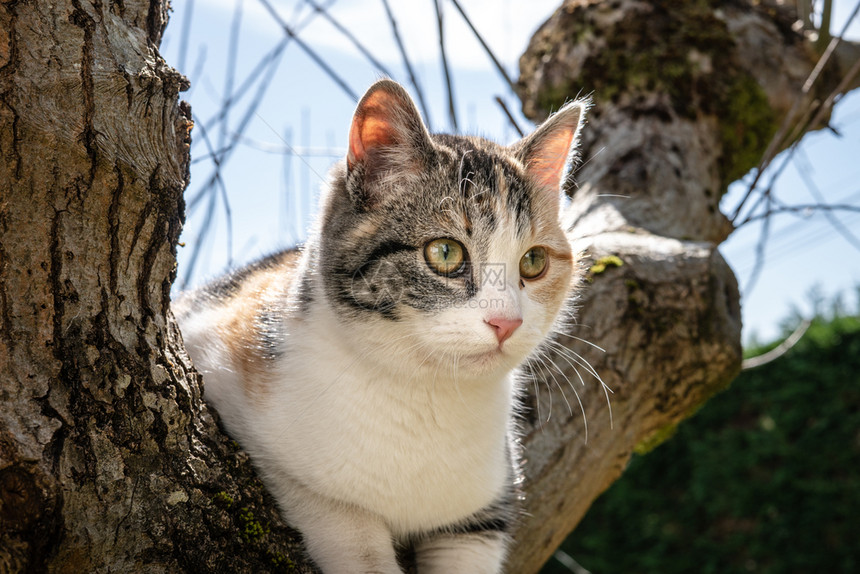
(681,52)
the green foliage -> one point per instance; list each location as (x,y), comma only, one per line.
(765,478)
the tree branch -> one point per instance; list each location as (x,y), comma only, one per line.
(780,350)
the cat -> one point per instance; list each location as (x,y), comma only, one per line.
(372,376)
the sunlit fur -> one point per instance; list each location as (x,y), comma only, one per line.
(371,392)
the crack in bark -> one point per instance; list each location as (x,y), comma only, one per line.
(154,23)
(55,270)
(138,228)
(113,231)
(7,73)
(85,22)
(5,313)
(54,447)
(149,256)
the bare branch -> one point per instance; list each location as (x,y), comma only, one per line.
(828,213)
(250,112)
(487,49)
(262,66)
(802,208)
(759,251)
(250,80)
(201,237)
(318,60)
(452,112)
(412,79)
(323,11)
(289,149)
(789,154)
(824,29)
(210,212)
(780,350)
(779,137)
(568,562)
(230,72)
(186,33)
(510,117)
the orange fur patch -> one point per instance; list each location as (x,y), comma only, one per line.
(240,331)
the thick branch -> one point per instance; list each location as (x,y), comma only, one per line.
(668,323)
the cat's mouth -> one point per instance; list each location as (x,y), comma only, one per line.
(490,358)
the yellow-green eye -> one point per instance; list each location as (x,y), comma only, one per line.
(533,263)
(445,256)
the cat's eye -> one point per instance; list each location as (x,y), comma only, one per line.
(533,263)
(445,256)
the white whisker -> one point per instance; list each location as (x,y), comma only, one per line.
(576,394)
(537,395)
(581,340)
(548,387)
(557,384)
(580,360)
(569,362)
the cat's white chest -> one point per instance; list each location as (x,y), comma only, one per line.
(420,454)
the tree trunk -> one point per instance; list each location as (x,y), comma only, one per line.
(109,461)
(686,98)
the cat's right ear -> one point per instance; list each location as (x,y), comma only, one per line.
(549,153)
(387,141)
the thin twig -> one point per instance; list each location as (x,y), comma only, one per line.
(199,242)
(803,208)
(230,72)
(250,113)
(293,150)
(759,253)
(269,147)
(487,49)
(452,112)
(828,213)
(510,116)
(208,220)
(824,28)
(323,11)
(568,562)
(412,79)
(766,194)
(789,154)
(318,60)
(779,137)
(778,351)
(261,66)
(286,225)
(186,34)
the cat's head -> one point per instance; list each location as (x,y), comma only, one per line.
(442,252)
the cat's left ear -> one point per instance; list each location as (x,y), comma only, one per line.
(549,153)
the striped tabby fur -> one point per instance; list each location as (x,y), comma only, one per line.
(375,394)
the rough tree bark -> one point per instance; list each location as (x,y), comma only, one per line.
(687,96)
(108,459)
(108,462)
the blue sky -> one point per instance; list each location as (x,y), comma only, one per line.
(271,195)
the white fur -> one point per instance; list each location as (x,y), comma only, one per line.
(446,554)
(380,430)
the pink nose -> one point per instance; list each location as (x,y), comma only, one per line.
(504,327)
